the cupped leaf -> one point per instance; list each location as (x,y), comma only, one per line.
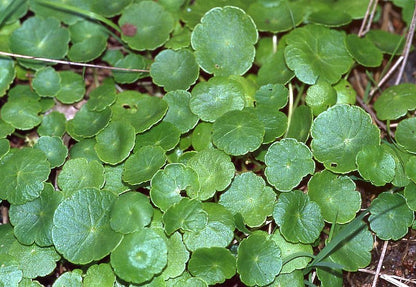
(363,51)
(395,101)
(258,259)
(145,25)
(249,196)
(139,256)
(22,113)
(115,142)
(406,134)
(33,220)
(300,124)
(320,97)
(131,212)
(174,70)
(276,16)
(22,175)
(289,249)
(7,74)
(167,185)
(218,232)
(80,173)
(52,124)
(81,226)
(141,110)
(335,195)
(314,52)
(215,171)
(376,165)
(40,37)
(54,149)
(212,99)
(298,217)
(287,162)
(224,41)
(72,87)
(339,134)
(390,216)
(143,164)
(179,112)
(213,265)
(186,215)
(164,134)
(238,132)
(47,82)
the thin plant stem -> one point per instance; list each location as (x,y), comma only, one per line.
(386,76)
(290,109)
(370,20)
(70,63)
(364,25)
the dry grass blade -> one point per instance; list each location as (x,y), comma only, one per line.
(380,263)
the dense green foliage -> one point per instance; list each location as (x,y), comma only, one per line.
(234,149)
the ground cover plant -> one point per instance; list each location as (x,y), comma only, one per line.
(200,143)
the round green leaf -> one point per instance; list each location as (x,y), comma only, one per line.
(72,87)
(167,185)
(69,278)
(131,212)
(115,142)
(298,217)
(113,181)
(202,136)
(276,16)
(289,249)
(274,96)
(390,216)
(108,8)
(7,74)
(187,215)
(179,112)
(387,42)
(80,173)
(81,231)
(102,96)
(395,101)
(6,129)
(215,171)
(329,17)
(139,256)
(22,175)
(258,259)
(363,51)
(300,123)
(52,124)
(22,113)
(164,134)
(376,165)
(238,132)
(84,149)
(146,25)
(40,37)
(275,123)
(174,70)
(275,70)
(47,82)
(213,265)
(339,134)
(88,123)
(406,134)
(212,99)
(345,92)
(287,162)
(335,195)
(255,205)
(410,195)
(314,52)
(141,110)
(143,164)
(320,97)
(99,275)
(131,61)
(33,220)
(218,232)
(224,41)
(54,149)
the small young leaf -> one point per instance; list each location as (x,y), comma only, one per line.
(363,51)
(224,41)
(320,97)
(259,259)
(387,42)
(47,82)
(202,136)
(298,217)
(395,101)
(72,87)
(300,124)
(287,162)
(139,256)
(102,96)
(179,112)
(81,231)
(52,124)
(390,216)
(99,275)
(272,96)
(345,92)
(213,265)
(249,196)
